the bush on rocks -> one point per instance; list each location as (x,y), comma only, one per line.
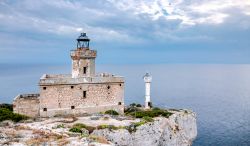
(7,106)
(75,130)
(110,127)
(148,119)
(155,112)
(81,128)
(111,112)
(6,114)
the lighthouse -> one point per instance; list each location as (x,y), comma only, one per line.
(147,79)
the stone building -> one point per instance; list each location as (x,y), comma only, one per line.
(82,91)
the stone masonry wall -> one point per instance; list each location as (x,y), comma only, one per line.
(78,64)
(27,106)
(70,99)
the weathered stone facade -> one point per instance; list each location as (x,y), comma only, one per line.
(80,92)
(80,95)
(27,104)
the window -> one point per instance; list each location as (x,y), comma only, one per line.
(72,107)
(44,109)
(119,103)
(84,70)
(108,87)
(72,87)
(84,94)
(120,84)
(44,88)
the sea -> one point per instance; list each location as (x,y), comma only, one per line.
(218,93)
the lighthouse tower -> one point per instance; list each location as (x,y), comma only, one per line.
(83,59)
(147,79)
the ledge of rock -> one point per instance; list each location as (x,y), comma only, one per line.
(179,129)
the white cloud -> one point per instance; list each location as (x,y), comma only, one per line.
(18,19)
(247,13)
(200,12)
(119,20)
(216,18)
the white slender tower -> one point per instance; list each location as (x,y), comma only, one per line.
(147,79)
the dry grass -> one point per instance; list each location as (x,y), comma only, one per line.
(68,119)
(48,136)
(99,139)
(11,133)
(105,118)
(10,141)
(44,137)
(22,127)
(63,142)
(37,141)
(38,132)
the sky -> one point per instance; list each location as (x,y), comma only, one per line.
(126,31)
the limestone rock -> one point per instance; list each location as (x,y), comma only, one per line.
(178,130)
(85,132)
(6,123)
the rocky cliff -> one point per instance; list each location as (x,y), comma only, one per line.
(178,130)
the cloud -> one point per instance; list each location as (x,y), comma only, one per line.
(124,20)
(124,24)
(28,16)
(197,12)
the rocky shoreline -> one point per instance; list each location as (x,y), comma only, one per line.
(179,129)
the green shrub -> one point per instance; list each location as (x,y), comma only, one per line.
(111,112)
(6,114)
(60,126)
(155,112)
(132,127)
(137,124)
(7,106)
(75,130)
(148,119)
(131,109)
(79,125)
(133,104)
(110,127)
(166,114)
(102,126)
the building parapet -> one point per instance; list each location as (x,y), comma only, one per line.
(68,80)
(46,76)
(27,96)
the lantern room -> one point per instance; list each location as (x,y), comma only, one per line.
(83,41)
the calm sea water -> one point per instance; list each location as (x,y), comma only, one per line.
(219,94)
